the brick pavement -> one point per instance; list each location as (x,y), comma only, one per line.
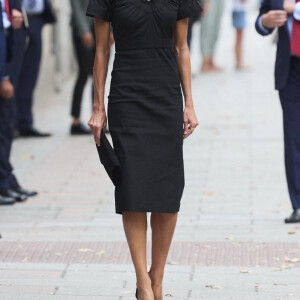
(230,242)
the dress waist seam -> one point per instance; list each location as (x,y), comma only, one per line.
(144,44)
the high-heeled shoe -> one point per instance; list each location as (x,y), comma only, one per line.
(136,293)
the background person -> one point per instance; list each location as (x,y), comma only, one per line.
(286,16)
(39,13)
(209,34)
(84,43)
(239,23)
(10,190)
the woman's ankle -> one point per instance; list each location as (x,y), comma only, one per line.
(143,280)
(156,277)
(157,286)
(144,286)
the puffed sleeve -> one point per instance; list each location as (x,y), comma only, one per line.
(188,8)
(101,9)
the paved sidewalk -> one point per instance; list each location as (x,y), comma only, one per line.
(230,241)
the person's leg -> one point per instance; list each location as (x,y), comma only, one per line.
(163,227)
(7,178)
(290,101)
(8,182)
(15,66)
(85,66)
(9,118)
(28,75)
(239,48)
(9,140)
(210,27)
(206,30)
(219,10)
(4,173)
(2,53)
(135,226)
(291,121)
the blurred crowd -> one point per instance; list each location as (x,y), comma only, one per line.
(21,26)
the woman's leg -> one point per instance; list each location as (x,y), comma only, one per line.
(163,227)
(135,226)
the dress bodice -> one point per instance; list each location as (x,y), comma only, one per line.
(140,23)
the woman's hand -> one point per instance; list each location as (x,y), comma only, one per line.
(97,123)
(190,121)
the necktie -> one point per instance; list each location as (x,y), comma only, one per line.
(295,39)
(7,9)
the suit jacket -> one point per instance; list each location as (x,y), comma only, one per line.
(16,4)
(79,21)
(13,4)
(1,19)
(2,47)
(48,14)
(283,56)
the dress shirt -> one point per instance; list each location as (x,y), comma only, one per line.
(34,7)
(6,21)
(290,20)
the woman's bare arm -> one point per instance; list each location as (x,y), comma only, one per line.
(98,118)
(184,66)
(101,61)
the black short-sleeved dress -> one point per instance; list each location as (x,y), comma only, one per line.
(145,108)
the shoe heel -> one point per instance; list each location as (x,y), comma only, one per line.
(136,293)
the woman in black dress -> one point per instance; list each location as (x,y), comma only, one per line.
(146,119)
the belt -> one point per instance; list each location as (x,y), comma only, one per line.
(144,44)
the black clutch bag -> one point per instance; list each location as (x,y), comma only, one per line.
(109,160)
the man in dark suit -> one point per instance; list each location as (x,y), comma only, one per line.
(10,190)
(39,13)
(285,14)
